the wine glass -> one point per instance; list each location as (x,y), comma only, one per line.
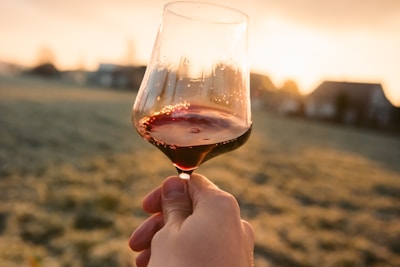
(194,101)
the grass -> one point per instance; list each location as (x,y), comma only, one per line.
(73,173)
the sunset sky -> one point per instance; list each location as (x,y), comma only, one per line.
(307,41)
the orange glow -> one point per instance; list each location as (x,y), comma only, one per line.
(335,40)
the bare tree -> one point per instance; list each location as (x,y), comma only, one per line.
(45,56)
(290,87)
(129,56)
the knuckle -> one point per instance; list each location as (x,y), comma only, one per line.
(226,202)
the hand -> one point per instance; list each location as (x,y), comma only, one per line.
(193,223)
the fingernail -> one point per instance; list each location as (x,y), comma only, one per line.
(173,187)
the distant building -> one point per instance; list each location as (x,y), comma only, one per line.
(78,77)
(363,104)
(261,91)
(9,68)
(116,76)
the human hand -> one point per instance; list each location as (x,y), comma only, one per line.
(193,223)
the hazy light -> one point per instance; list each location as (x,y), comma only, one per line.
(306,41)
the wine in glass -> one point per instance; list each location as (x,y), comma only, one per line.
(194,100)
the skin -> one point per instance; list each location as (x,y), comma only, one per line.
(192,223)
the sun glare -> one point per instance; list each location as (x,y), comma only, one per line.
(281,45)
(288,52)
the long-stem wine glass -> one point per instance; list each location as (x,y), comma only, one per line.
(194,100)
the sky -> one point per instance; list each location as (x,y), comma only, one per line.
(307,41)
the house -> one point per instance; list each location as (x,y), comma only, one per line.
(261,89)
(363,104)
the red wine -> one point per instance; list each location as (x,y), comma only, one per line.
(190,135)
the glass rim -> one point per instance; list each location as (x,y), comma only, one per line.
(236,16)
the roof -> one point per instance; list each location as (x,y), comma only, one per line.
(329,90)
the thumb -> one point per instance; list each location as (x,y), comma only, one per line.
(176,202)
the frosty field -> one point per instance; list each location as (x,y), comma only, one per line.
(73,172)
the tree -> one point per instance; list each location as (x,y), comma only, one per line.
(45,56)
(45,64)
(129,56)
(290,87)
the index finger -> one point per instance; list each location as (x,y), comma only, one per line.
(152,202)
(207,196)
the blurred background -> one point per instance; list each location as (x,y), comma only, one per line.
(319,179)
(307,42)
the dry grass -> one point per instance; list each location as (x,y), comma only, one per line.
(73,173)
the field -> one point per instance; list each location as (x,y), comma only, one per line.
(73,172)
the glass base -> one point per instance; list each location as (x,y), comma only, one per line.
(184,175)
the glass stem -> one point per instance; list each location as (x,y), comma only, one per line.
(184,174)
